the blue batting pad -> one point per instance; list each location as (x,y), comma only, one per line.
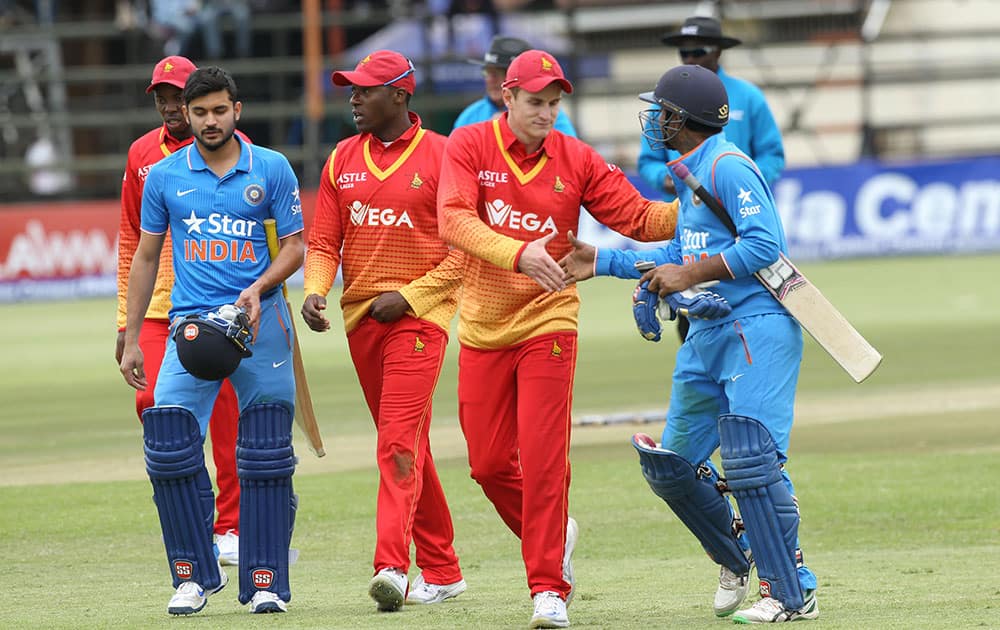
(769,513)
(265,463)
(696,501)
(182,492)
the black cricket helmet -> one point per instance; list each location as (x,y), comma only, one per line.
(210,345)
(683,93)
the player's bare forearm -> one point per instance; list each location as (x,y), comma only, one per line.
(142,277)
(289,259)
(670,278)
(119,346)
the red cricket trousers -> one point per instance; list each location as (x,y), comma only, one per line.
(398,365)
(514,407)
(223,424)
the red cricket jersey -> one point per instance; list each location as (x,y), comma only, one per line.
(376,204)
(494,198)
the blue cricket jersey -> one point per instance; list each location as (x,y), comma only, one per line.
(732,178)
(217,223)
(484,109)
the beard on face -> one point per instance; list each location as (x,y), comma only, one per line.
(214,146)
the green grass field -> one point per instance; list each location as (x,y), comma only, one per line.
(897,478)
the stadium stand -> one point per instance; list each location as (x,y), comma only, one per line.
(845,78)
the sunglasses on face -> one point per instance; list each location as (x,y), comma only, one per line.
(697,52)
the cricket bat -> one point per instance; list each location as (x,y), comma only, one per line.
(305,416)
(803,300)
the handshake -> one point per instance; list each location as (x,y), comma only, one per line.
(694,302)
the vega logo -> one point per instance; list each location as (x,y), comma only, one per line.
(363,214)
(502,214)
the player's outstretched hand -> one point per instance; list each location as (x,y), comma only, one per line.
(695,303)
(644,303)
(578,265)
(312,312)
(537,264)
(388,307)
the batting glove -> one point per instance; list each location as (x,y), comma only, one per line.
(696,303)
(644,303)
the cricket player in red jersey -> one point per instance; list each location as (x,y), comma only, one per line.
(508,187)
(169,77)
(376,215)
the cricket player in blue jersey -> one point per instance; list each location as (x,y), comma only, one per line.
(229,320)
(735,377)
(751,124)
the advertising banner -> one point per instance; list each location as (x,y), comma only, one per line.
(69,249)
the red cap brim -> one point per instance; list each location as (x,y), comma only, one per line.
(345,78)
(537,84)
(176,84)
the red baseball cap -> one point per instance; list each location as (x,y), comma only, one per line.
(382,67)
(534,70)
(173,70)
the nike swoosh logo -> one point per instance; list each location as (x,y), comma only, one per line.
(278,364)
(734,377)
(181,193)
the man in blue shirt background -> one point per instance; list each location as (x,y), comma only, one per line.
(495,63)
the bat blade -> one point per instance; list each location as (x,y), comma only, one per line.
(821,319)
(305,415)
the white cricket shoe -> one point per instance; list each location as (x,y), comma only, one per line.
(732,590)
(422,592)
(388,589)
(572,533)
(267,602)
(228,545)
(770,610)
(550,611)
(191,597)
